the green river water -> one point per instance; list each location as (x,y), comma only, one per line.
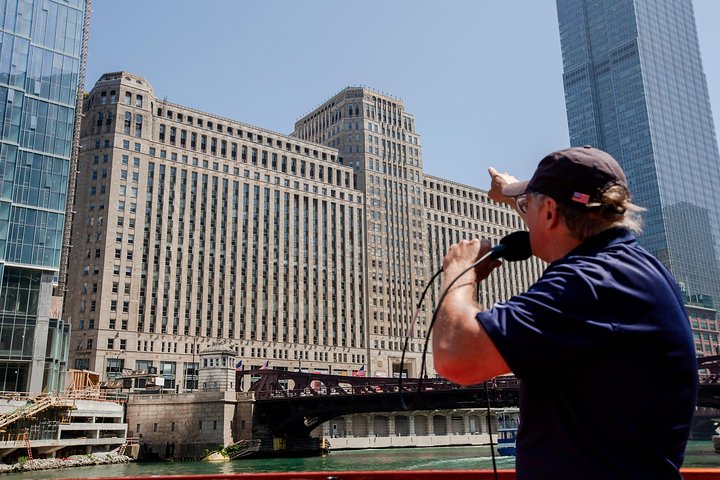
(699,454)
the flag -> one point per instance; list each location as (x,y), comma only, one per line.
(360,372)
(266,365)
(583,198)
(239,366)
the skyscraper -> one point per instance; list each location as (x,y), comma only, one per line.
(634,86)
(41,59)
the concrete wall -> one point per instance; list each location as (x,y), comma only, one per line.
(190,422)
(243,414)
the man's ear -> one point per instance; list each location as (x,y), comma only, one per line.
(551,214)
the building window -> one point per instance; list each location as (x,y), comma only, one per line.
(114,367)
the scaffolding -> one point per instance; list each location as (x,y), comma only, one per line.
(34,407)
(74,157)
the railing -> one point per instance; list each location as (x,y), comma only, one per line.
(38,405)
(687,473)
(128,442)
(95,394)
(85,394)
(272,384)
(354,390)
(15,395)
(709,378)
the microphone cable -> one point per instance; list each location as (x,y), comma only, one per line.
(408,334)
(423,367)
(513,247)
(489,427)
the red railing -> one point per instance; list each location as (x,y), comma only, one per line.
(688,474)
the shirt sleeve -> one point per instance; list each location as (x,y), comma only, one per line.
(559,319)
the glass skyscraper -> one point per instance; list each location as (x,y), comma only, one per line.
(41,54)
(635,87)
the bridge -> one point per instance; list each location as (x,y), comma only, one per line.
(292,404)
(709,390)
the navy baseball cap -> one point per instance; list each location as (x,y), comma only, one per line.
(576,176)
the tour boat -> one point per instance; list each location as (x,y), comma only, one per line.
(507,432)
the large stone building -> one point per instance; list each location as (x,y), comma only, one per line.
(308,251)
(410,219)
(43,51)
(635,86)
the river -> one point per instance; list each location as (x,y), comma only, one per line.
(699,454)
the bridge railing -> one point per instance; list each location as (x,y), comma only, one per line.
(269,384)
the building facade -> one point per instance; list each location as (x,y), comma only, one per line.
(376,136)
(635,86)
(42,57)
(192,228)
(306,251)
(454,212)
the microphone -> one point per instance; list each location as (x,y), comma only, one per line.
(513,247)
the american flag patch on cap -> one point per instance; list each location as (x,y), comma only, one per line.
(581,197)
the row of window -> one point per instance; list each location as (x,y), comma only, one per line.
(473,211)
(106,97)
(281,163)
(262,139)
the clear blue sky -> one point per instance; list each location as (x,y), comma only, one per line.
(483,78)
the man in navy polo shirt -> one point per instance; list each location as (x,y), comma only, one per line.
(601,342)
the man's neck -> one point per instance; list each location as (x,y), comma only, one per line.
(562,244)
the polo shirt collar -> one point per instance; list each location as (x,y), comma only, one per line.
(602,240)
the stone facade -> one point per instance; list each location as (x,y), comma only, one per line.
(308,251)
(185,425)
(217,369)
(192,228)
(411,219)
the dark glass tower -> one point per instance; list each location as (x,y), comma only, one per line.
(635,86)
(41,53)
